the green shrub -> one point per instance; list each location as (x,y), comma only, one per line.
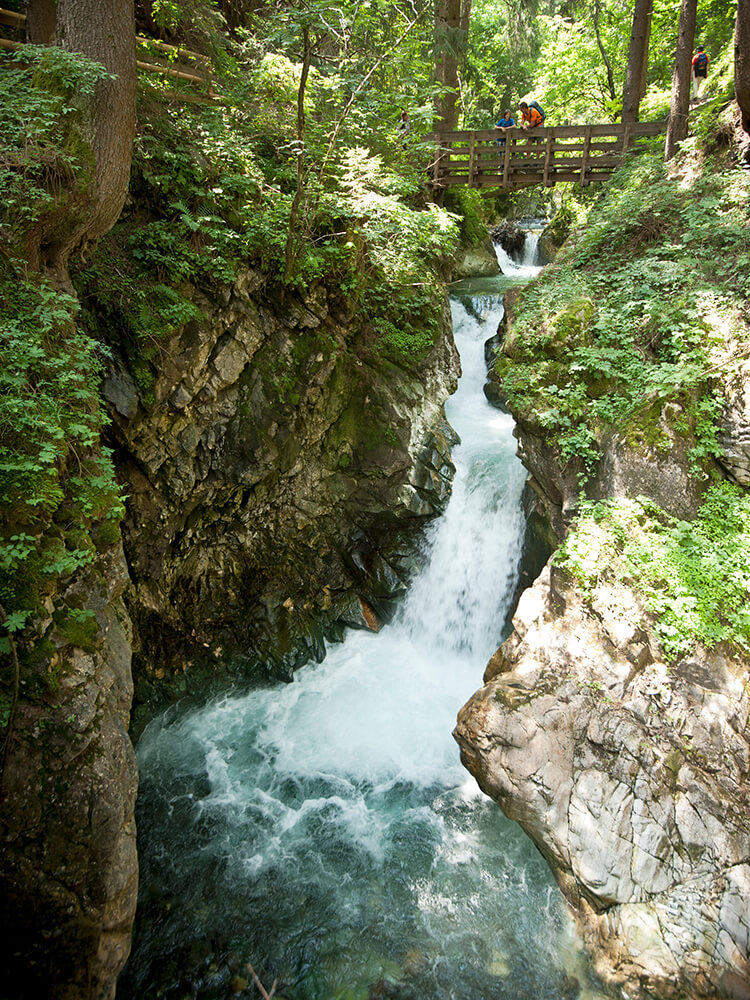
(43,149)
(56,481)
(660,273)
(694,576)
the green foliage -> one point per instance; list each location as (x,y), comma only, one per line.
(79,628)
(638,311)
(571,79)
(56,481)
(212,196)
(551,53)
(41,89)
(472,212)
(694,576)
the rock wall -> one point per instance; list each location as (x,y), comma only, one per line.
(274,469)
(68,881)
(276,461)
(631,776)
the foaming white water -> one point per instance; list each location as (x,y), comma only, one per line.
(380,709)
(531,249)
(325,829)
(528,267)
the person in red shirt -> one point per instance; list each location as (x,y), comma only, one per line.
(700,71)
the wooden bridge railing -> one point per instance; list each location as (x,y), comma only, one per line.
(579,153)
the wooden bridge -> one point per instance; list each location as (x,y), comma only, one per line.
(579,153)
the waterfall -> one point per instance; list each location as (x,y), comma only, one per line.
(528,267)
(531,248)
(325,830)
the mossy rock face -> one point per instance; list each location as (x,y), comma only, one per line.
(69,787)
(571,327)
(281,441)
(548,248)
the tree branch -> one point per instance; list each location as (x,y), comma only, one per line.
(259,984)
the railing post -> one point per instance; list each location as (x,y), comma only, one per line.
(626,138)
(472,144)
(506,159)
(584,159)
(548,160)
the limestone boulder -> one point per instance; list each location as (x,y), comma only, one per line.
(475,261)
(631,776)
(735,426)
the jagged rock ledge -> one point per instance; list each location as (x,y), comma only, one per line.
(631,779)
(276,469)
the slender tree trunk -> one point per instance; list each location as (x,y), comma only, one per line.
(644,68)
(635,77)
(40,21)
(104,30)
(605,57)
(447,26)
(742,62)
(677,129)
(464,23)
(290,238)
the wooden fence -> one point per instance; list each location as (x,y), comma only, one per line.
(178,64)
(580,153)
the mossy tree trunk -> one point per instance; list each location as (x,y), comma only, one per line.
(104,30)
(677,129)
(742,61)
(635,77)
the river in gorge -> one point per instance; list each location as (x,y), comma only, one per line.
(325,830)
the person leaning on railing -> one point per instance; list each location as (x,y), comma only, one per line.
(531,117)
(504,124)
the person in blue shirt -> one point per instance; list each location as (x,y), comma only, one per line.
(505,123)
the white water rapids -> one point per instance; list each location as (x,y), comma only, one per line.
(325,830)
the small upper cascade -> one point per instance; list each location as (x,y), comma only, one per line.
(527,267)
(531,248)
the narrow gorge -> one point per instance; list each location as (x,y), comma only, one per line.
(302,449)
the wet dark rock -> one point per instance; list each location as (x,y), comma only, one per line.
(278,472)
(510,237)
(69,871)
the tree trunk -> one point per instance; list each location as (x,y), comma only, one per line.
(464,23)
(294,211)
(677,129)
(635,77)
(40,21)
(644,68)
(447,26)
(605,57)
(104,30)
(742,62)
